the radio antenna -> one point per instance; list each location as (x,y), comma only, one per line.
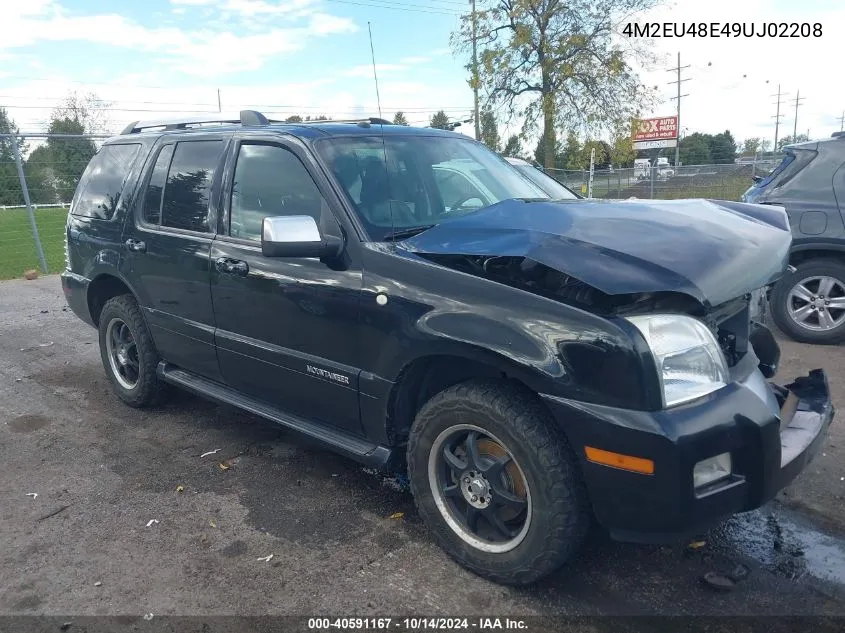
(375,75)
(383,142)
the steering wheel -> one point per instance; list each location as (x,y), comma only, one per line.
(462,201)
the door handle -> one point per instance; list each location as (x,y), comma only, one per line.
(136,246)
(229,266)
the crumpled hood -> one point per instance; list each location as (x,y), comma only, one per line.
(711,250)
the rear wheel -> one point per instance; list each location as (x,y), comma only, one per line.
(496,483)
(809,304)
(128,354)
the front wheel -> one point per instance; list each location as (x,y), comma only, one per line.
(809,304)
(496,483)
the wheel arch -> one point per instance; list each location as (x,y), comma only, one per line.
(424,376)
(103,287)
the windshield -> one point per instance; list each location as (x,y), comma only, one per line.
(423,181)
(552,187)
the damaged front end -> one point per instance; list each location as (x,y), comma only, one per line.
(737,324)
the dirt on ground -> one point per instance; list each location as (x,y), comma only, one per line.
(108,510)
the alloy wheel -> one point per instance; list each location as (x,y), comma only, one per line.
(817,303)
(122,353)
(479,488)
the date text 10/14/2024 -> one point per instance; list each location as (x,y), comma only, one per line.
(723,29)
(417,624)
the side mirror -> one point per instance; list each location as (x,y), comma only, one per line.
(296,236)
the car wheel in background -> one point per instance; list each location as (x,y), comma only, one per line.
(809,304)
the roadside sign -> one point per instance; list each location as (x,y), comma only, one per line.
(657,129)
(638,145)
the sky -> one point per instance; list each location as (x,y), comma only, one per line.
(164,58)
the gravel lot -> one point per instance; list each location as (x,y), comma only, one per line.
(103,471)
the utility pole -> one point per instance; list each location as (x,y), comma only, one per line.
(678,81)
(476,115)
(219,102)
(777,118)
(842,122)
(798,99)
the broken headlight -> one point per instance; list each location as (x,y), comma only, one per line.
(689,361)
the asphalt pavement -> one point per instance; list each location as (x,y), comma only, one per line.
(107,510)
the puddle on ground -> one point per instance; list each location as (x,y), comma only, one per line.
(784,543)
(28,423)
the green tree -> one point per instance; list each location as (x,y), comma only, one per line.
(53,170)
(695,149)
(489,129)
(569,155)
(751,145)
(622,152)
(602,159)
(10,186)
(66,158)
(722,148)
(399,118)
(542,151)
(765,145)
(294,118)
(788,140)
(440,120)
(513,147)
(560,62)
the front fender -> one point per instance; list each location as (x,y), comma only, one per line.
(551,347)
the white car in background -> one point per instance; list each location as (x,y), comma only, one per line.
(547,184)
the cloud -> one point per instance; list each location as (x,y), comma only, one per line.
(733,80)
(204,52)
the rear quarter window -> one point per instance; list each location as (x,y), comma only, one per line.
(104,180)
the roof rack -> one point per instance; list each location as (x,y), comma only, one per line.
(247,117)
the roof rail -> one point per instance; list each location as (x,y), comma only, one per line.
(247,117)
(364,121)
(838,135)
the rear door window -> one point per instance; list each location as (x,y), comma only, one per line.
(155,188)
(188,188)
(104,180)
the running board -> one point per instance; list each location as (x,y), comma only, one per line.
(338,441)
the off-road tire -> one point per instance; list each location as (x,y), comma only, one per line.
(560,514)
(148,390)
(780,297)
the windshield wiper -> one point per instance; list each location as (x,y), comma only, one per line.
(414,230)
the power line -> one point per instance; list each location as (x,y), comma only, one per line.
(400,7)
(678,81)
(475,79)
(798,99)
(777,117)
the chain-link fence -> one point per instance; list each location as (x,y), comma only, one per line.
(32,230)
(38,177)
(724,182)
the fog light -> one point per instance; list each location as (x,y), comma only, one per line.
(709,470)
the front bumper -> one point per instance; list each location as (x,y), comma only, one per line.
(771,432)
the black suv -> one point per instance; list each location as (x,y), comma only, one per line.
(407,298)
(809,301)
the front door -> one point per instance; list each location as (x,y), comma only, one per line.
(167,242)
(287,328)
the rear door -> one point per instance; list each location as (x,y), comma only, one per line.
(167,247)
